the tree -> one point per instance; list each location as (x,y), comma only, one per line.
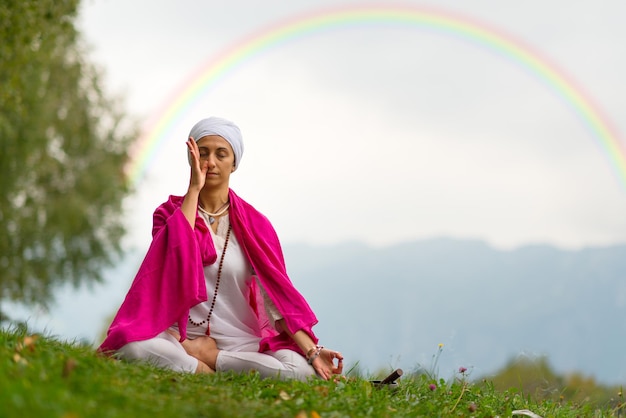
(535,378)
(62,152)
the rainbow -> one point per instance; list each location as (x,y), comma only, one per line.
(462,27)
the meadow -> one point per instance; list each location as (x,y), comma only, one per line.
(42,376)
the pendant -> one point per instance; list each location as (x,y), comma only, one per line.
(211,220)
(208,329)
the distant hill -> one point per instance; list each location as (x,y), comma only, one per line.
(392,306)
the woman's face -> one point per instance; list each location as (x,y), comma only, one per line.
(217,153)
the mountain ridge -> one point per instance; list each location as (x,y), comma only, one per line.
(485,305)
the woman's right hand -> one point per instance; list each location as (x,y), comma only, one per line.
(197,179)
(198,168)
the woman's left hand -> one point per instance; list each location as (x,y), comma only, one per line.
(324,364)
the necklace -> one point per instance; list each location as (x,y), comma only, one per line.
(217,285)
(219,212)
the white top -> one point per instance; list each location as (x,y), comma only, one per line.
(234,325)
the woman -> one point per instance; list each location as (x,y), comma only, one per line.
(212,292)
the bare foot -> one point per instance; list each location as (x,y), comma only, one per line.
(203,348)
(203,368)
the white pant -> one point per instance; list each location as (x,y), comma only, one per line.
(166,352)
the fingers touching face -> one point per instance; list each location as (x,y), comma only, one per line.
(217,151)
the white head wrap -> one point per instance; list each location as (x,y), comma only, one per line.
(222,127)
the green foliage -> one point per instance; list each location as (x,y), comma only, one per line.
(43,377)
(535,378)
(62,152)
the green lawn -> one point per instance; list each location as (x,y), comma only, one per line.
(44,377)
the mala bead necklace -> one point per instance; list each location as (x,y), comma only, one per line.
(217,285)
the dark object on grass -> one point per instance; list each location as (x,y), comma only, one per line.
(389,381)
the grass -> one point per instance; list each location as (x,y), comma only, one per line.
(41,376)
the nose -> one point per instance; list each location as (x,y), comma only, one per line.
(211,160)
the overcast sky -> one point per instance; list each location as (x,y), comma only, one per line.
(385,133)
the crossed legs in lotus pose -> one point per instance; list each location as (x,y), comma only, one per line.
(284,363)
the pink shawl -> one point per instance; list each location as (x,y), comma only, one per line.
(170,279)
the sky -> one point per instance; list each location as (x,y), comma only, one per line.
(380,133)
(383,132)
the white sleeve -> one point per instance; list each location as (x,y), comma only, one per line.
(270,308)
